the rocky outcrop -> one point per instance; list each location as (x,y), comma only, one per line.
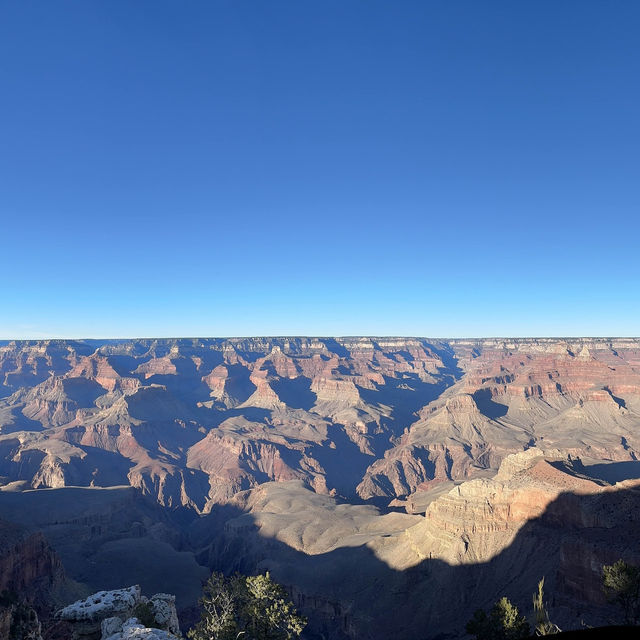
(131,629)
(478,519)
(29,567)
(18,620)
(30,574)
(114,615)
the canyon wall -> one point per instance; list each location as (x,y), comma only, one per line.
(193,422)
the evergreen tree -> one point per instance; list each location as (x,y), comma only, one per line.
(621,584)
(503,622)
(271,616)
(246,607)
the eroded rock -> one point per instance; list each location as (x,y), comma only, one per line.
(111,614)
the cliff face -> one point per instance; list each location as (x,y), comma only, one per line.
(580,396)
(192,422)
(30,571)
(29,567)
(480,518)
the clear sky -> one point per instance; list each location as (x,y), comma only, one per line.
(319,167)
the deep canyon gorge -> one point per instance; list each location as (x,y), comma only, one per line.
(368,475)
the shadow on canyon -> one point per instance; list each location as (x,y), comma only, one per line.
(449,359)
(614,472)
(110,538)
(295,392)
(343,477)
(488,406)
(333,346)
(406,396)
(352,593)
(20,422)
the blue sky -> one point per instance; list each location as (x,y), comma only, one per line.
(215,168)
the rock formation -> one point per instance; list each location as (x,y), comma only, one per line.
(131,629)
(28,565)
(112,615)
(19,620)
(31,575)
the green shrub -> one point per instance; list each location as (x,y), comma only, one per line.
(621,584)
(252,605)
(503,622)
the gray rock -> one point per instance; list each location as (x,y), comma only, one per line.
(164,612)
(101,605)
(110,614)
(133,630)
(111,626)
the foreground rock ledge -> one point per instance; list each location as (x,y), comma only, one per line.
(110,615)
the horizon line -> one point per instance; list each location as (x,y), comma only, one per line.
(319,336)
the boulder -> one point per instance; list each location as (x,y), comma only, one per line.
(112,614)
(133,630)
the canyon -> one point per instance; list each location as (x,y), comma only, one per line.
(427,477)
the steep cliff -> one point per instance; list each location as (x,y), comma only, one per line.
(31,579)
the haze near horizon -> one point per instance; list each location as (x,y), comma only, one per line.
(339,168)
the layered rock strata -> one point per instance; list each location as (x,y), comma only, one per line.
(192,422)
(541,515)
